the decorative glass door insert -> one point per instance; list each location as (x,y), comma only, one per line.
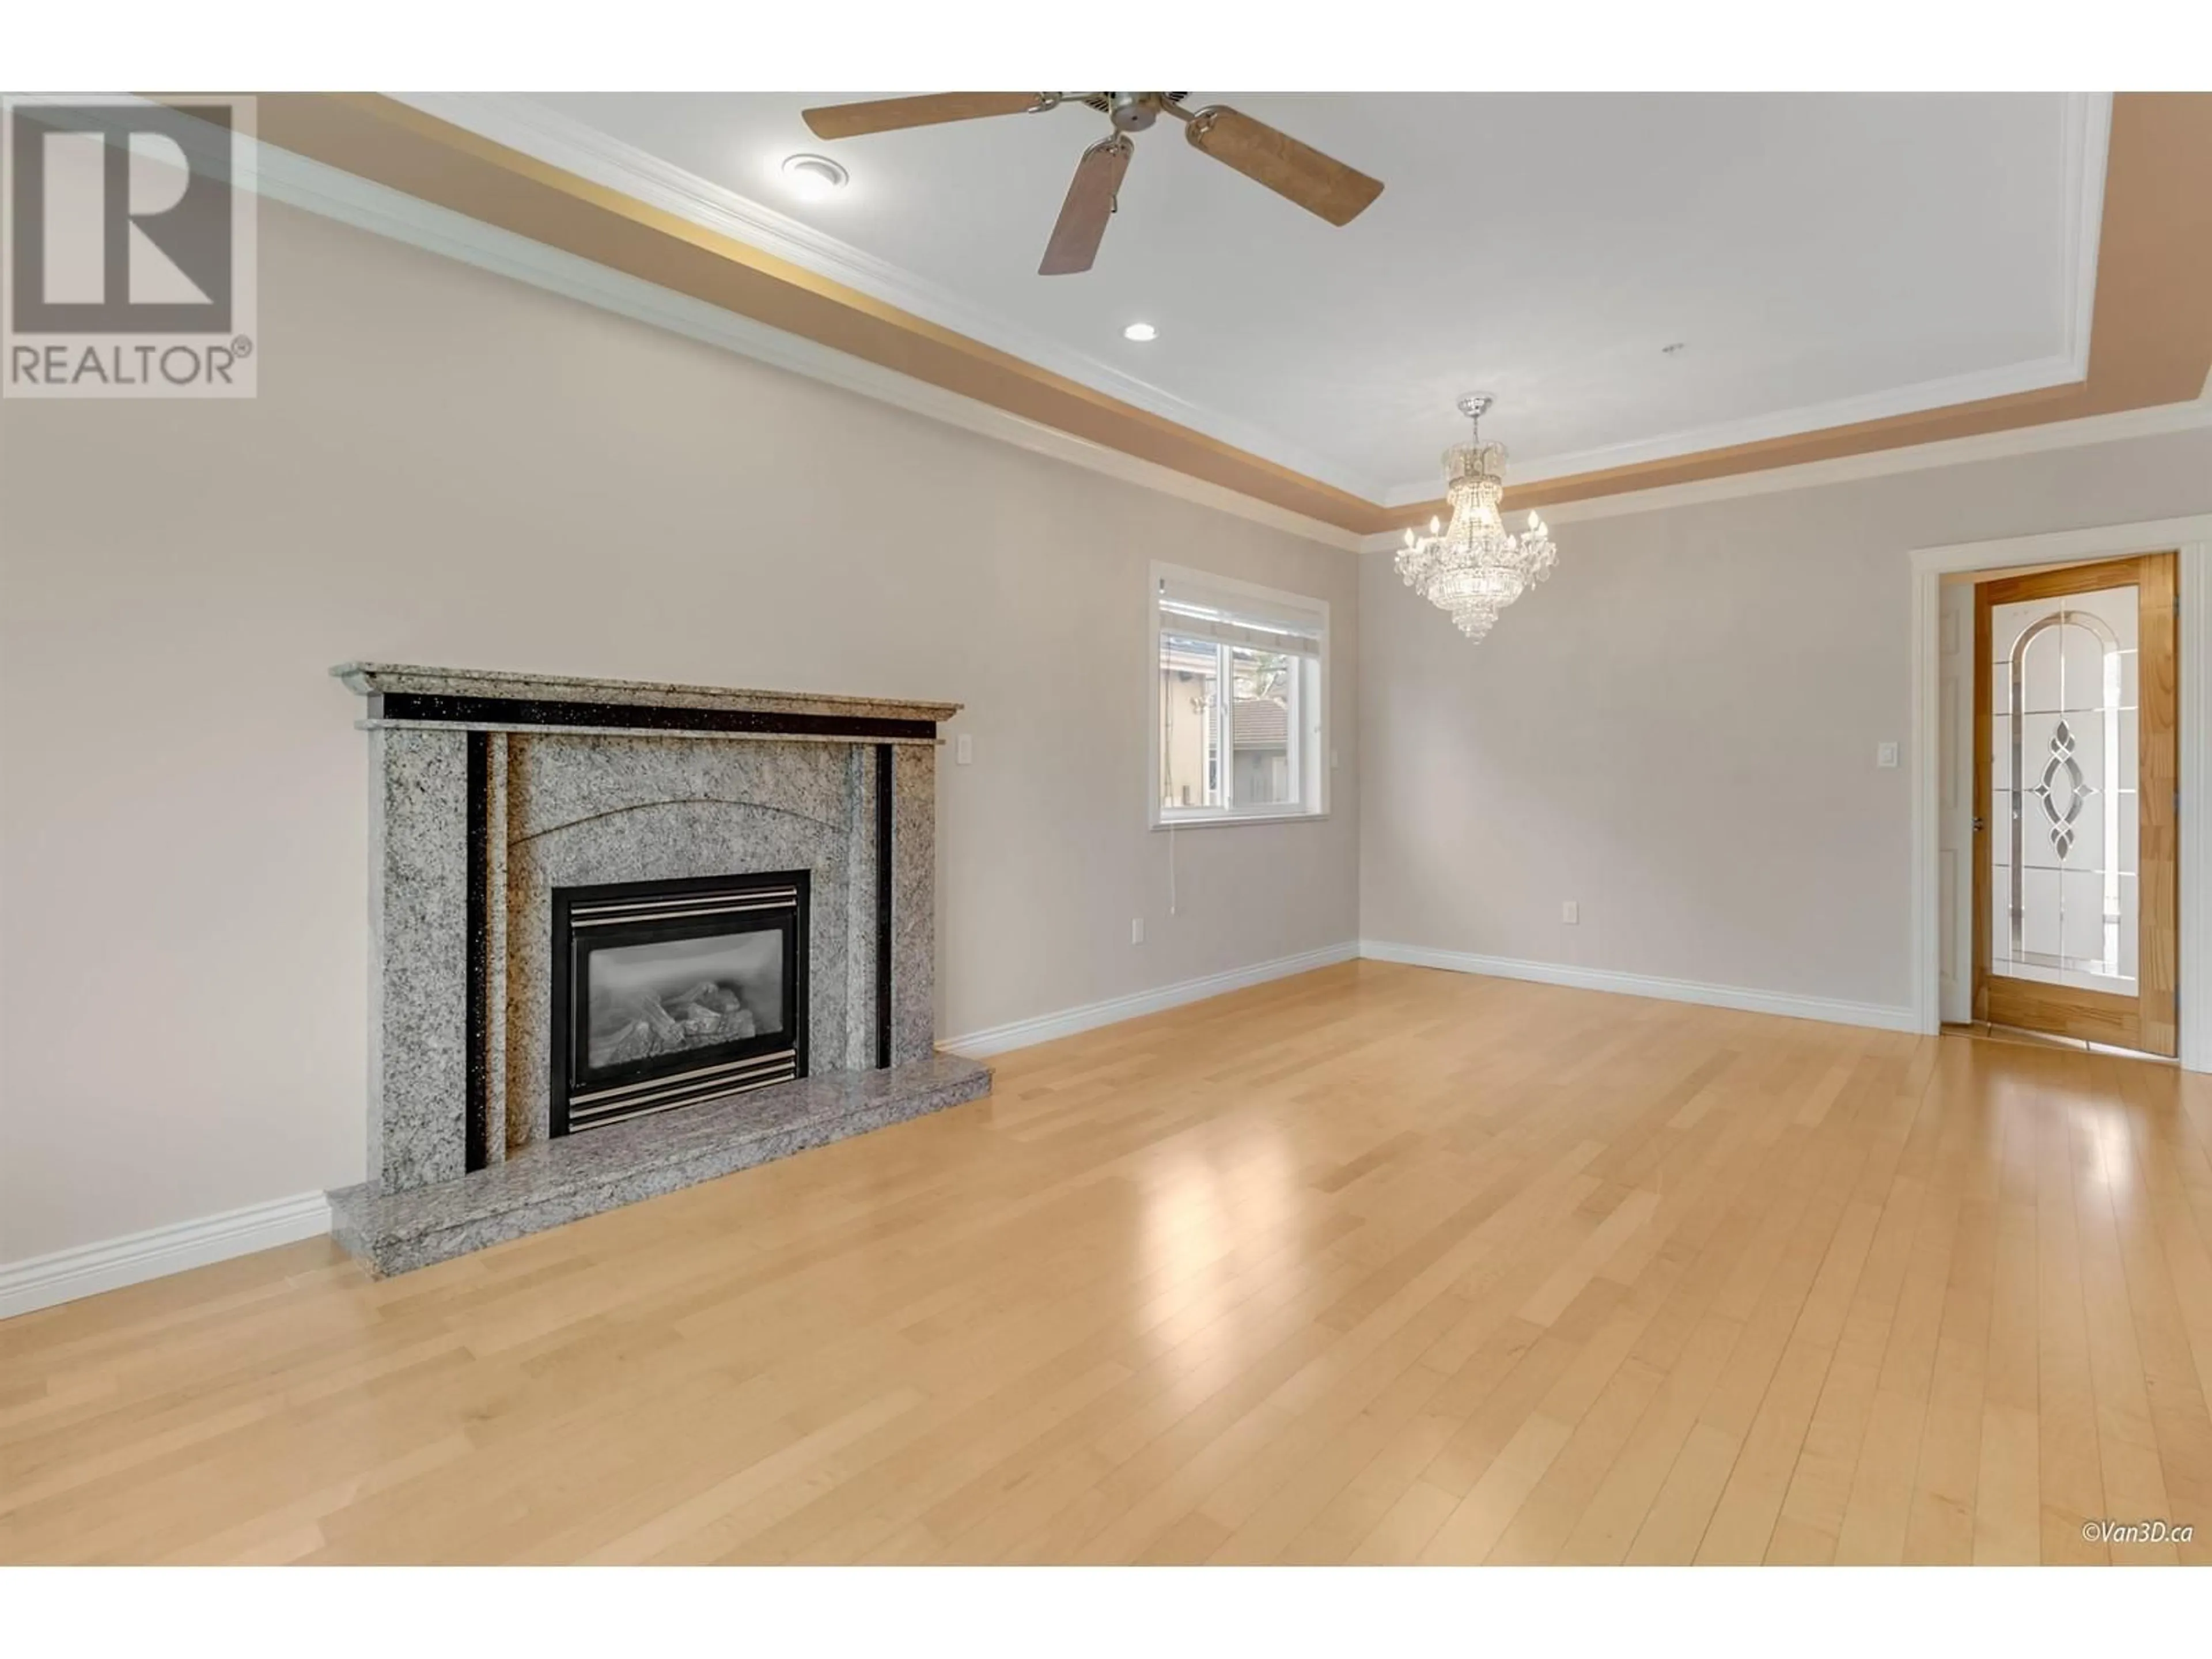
(2062,717)
(2065,705)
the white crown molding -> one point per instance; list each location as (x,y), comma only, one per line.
(2088,122)
(1875,464)
(2000,382)
(45,1281)
(521,123)
(325,190)
(1044,1028)
(1786,1004)
(2088,146)
(333,194)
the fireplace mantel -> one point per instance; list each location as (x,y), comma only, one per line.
(493,792)
(498,699)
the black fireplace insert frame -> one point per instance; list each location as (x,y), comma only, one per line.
(571,1069)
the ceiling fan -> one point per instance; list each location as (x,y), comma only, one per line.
(1318,183)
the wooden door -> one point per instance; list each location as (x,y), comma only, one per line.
(2075,780)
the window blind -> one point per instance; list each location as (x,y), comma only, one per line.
(1193,612)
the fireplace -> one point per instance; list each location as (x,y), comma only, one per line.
(593,902)
(667,993)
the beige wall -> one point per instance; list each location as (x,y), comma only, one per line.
(1678,731)
(446,467)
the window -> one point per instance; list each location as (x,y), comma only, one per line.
(1240,703)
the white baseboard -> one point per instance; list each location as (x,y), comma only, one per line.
(1021,1033)
(1786,1004)
(45,1280)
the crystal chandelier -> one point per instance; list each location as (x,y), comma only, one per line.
(1472,567)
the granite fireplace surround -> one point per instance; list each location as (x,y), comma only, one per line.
(489,790)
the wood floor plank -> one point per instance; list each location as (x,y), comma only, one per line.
(2127,1443)
(2069,1482)
(1375,1265)
(1985,1364)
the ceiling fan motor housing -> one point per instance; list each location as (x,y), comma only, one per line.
(1133,112)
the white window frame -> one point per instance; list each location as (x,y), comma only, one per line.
(1309,744)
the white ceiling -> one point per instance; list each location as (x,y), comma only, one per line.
(1822,258)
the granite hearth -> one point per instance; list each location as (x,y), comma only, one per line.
(556,1180)
(495,798)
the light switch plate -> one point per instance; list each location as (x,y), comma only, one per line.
(1136,930)
(1570,912)
(1885,753)
(963,750)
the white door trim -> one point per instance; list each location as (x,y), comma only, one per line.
(2193,537)
(1954,797)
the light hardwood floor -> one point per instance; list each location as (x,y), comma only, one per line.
(1374,1265)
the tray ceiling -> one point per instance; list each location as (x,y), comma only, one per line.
(1819,260)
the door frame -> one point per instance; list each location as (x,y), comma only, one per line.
(2149,1020)
(2192,537)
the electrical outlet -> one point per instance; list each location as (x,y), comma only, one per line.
(1885,753)
(1136,930)
(963,750)
(1570,912)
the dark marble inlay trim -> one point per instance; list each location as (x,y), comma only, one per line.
(474,1130)
(434,708)
(883,905)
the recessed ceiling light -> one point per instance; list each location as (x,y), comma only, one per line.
(1140,331)
(813,177)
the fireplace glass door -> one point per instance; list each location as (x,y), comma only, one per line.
(669,994)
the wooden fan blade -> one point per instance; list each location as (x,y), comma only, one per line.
(891,115)
(1090,204)
(1318,183)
